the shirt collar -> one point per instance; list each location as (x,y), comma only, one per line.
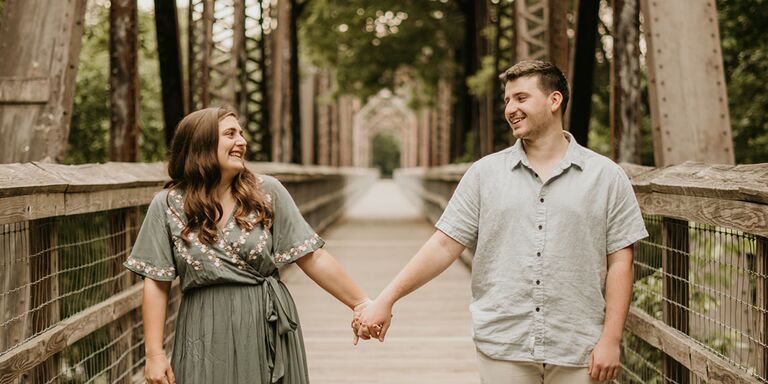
(573,155)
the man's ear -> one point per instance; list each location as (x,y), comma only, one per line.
(555,100)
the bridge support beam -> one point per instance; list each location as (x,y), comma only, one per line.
(686,83)
(41,43)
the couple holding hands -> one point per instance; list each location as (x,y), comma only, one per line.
(551,223)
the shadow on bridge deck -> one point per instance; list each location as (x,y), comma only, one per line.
(429,341)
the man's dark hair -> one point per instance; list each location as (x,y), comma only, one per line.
(551,78)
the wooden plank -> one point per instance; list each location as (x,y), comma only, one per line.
(22,91)
(744,216)
(76,203)
(97,177)
(747,182)
(686,83)
(16,209)
(36,350)
(39,39)
(27,178)
(691,354)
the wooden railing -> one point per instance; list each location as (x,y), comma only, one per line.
(700,309)
(68,310)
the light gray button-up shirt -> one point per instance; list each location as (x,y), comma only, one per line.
(539,267)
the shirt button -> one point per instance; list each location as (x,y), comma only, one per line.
(537,309)
(538,253)
(536,174)
(541,200)
(538,282)
(540,227)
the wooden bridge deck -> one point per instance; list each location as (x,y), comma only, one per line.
(429,341)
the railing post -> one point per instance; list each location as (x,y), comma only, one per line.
(761,259)
(120,330)
(44,290)
(675,265)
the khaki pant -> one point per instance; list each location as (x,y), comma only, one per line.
(516,372)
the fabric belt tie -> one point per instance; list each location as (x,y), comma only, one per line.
(279,323)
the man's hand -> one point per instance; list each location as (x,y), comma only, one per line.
(375,320)
(604,362)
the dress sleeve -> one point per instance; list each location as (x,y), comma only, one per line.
(625,221)
(152,253)
(461,216)
(292,236)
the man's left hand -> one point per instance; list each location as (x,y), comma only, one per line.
(604,362)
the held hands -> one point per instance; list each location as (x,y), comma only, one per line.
(604,361)
(157,370)
(373,321)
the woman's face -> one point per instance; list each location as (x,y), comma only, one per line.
(231,150)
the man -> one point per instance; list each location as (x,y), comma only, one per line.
(552,226)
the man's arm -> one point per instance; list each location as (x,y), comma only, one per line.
(434,257)
(604,362)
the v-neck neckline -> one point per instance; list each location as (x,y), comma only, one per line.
(229,219)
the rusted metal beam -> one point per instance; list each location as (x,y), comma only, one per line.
(686,83)
(123,81)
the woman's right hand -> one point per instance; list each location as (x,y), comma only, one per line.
(157,370)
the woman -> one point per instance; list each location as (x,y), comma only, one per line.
(224,232)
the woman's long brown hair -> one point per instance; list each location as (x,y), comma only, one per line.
(194,168)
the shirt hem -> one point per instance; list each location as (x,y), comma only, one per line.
(526,359)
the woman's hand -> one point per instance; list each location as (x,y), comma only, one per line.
(157,370)
(356,312)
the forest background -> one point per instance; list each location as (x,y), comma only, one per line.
(743,26)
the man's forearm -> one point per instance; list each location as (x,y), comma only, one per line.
(618,293)
(434,257)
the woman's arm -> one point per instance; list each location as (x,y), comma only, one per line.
(157,369)
(324,270)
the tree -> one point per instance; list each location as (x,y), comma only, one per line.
(375,45)
(743,25)
(89,132)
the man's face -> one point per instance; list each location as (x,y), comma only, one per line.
(527,109)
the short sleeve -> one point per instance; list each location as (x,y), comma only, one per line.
(625,221)
(292,236)
(152,253)
(461,216)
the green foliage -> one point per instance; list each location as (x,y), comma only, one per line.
(375,45)
(89,130)
(743,25)
(385,153)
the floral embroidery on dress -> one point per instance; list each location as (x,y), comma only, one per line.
(151,270)
(179,243)
(293,252)
(259,247)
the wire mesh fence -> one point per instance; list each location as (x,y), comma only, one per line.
(56,268)
(708,283)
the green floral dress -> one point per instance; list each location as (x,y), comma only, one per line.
(237,322)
